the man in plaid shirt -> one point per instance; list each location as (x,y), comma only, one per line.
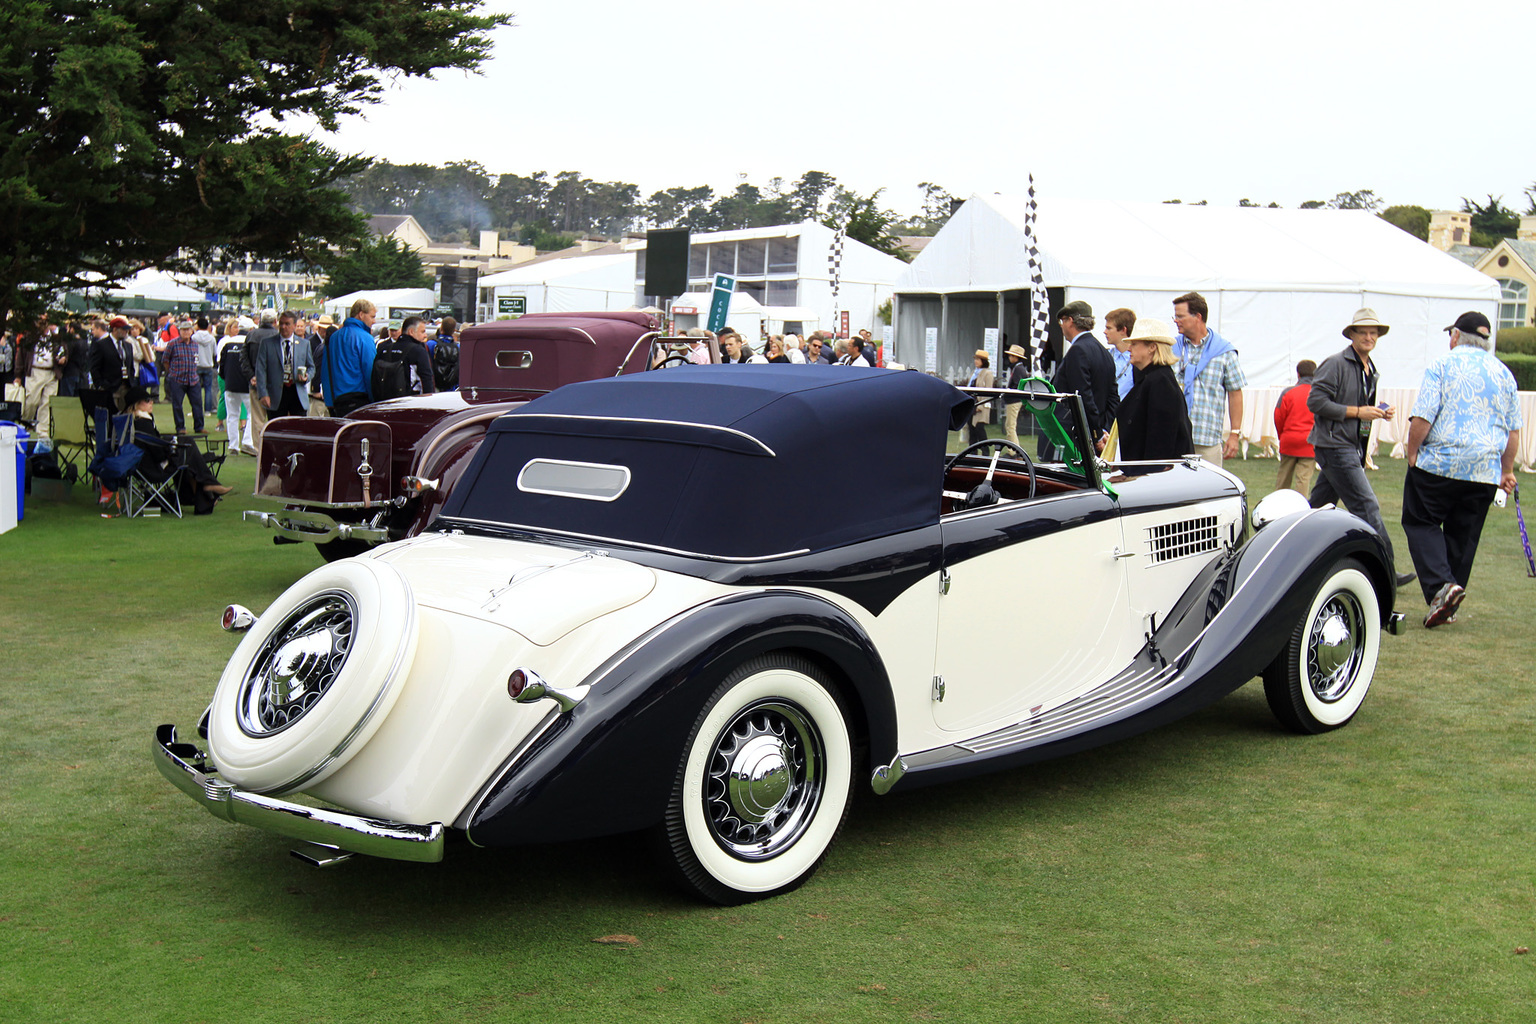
(1212,379)
(181,380)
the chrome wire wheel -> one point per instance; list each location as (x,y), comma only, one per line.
(763,784)
(1323,673)
(1335,647)
(765,780)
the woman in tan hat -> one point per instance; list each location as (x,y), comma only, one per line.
(1154,419)
(981,378)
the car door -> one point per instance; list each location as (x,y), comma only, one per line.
(1036,609)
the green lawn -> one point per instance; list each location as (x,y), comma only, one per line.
(1217,870)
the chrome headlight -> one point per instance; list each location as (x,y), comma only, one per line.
(1278,505)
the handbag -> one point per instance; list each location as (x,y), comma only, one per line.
(115,468)
(148,375)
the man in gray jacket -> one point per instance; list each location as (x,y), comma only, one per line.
(1343,404)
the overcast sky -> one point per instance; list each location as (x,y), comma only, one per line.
(1423,103)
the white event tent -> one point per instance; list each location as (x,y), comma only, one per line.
(1281,284)
(383,299)
(598,282)
(155,285)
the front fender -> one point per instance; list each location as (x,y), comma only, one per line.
(609,765)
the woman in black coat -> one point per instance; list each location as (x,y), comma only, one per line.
(1153,417)
(162,455)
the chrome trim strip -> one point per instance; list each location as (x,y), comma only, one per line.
(467,815)
(410,627)
(187,769)
(627,543)
(1124,688)
(640,419)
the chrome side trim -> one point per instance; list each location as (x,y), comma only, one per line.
(625,543)
(671,423)
(1395,623)
(188,770)
(1125,688)
(513,759)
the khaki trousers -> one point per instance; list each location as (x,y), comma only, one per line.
(1296,473)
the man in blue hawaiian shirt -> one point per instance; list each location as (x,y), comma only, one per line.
(1462,439)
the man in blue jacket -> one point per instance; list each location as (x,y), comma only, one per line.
(348,362)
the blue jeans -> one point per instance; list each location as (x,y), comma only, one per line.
(174,390)
(208,382)
(1343,481)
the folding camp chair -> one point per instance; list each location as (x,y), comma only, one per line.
(139,494)
(71,439)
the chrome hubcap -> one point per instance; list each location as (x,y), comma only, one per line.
(296,665)
(1335,647)
(764,780)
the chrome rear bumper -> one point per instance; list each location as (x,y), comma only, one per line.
(303,525)
(187,768)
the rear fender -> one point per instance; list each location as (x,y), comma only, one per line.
(608,766)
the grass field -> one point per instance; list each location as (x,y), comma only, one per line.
(1217,870)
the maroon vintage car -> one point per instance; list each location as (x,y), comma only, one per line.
(382,472)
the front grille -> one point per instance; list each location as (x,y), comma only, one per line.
(1180,540)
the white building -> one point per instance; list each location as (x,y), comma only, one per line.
(785,270)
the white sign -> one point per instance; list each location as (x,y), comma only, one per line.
(989,342)
(931,350)
(887,336)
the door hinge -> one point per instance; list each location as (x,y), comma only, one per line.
(943,582)
(938,688)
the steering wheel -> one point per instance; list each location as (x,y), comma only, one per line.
(675,359)
(984,494)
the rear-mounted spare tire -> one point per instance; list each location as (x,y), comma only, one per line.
(312,682)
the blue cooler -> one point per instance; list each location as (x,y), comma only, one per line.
(22,451)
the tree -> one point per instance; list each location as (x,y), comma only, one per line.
(806,194)
(1491,221)
(1365,199)
(1412,219)
(864,221)
(141,134)
(1530,196)
(1314,204)
(384,263)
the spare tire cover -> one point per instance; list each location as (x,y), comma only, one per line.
(314,678)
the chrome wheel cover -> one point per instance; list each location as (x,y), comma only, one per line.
(765,780)
(297,664)
(1335,647)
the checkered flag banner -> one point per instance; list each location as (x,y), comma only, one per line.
(1039,302)
(835,270)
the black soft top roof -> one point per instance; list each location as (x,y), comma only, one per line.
(738,462)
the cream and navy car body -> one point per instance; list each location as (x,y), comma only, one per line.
(714,601)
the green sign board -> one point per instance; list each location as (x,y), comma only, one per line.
(514,305)
(720,303)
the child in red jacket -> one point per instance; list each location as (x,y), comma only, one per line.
(1293,421)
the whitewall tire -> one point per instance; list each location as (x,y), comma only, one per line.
(764,783)
(315,677)
(1320,678)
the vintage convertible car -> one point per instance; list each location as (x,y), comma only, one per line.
(710,603)
(383,472)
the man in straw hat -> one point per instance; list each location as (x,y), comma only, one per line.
(1343,405)
(1462,440)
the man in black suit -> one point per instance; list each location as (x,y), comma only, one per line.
(1087,370)
(111,359)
